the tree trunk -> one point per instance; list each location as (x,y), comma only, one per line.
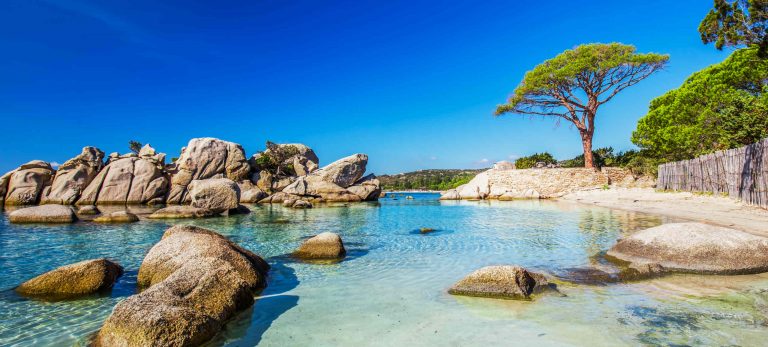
(586,142)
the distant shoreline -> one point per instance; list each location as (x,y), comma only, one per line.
(411,191)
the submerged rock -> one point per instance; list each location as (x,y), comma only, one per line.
(88,210)
(43,214)
(178,212)
(117,217)
(85,277)
(501,281)
(693,248)
(74,175)
(325,245)
(197,281)
(215,194)
(426,230)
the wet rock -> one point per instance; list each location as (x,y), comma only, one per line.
(215,194)
(117,217)
(278,198)
(180,212)
(694,248)
(325,245)
(88,210)
(85,277)
(74,175)
(43,214)
(25,185)
(635,272)
(197,281)
(302,204)
(426,230)
(501,281)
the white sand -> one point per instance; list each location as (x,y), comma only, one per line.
(708,209)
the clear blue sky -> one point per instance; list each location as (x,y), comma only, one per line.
(411,83)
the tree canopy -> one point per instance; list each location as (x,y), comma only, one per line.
(134,146)
(737,23)
(721,107)
(575,83)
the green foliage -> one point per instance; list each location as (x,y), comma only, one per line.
(737,23)
(427,179)
(575,83)
(531,160)
(723,106)
(603,157)
(276,159)
(134,146)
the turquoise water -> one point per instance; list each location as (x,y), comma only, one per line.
(391,289)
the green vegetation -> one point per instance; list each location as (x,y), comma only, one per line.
(134,146)
(723,106)
(428,179)
(275,159)
(737,23)
(531,160)
(575,83)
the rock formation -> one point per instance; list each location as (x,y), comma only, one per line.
(691,248)
(129,179)
(43,214)
(26,184)
(74,175)
(205,158)
(180,212)
(85,277)
(215,194)
(325,245)
(117,217)
(502,281)
(197,280)
(340,181)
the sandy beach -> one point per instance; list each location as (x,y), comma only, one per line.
(716,210)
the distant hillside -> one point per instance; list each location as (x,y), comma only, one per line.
(428,179)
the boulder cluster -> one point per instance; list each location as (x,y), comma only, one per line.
(209,174)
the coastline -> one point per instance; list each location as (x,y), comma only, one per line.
(709,209)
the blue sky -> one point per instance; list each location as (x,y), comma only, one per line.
(411,83)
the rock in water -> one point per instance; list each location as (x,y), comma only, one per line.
(129,179)
(88,210)
(74,175)
(43,214)
(85,277)
(367,188)
(325,245)
(693,248)
(343,172)
(197,281)
(179,212)
(25,185)
(117,217)
(205,158)
(215,194)
(501,281)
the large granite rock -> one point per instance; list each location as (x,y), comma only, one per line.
(197,281)
(477,188)
(367,188)
(692,248)
(73,177)
(117,217)
(26,184)
(501,281)
(343,172)
(85,277)
(43,214)
(325,245)
(215,194)
(205,158)
(250,193)
(181,212)
(129,179)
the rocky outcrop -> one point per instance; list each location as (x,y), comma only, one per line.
(691,248)
(303,161)
(117,217)
(250,193)
(197,281)
(215,194)
(43,214)
(205,158)
(129,179)
(504,165)
(73,177)
(83,278)
(505,184)
(27,184)
(325,245)
(181,212)
(367,188)
(502,281)
(343,172)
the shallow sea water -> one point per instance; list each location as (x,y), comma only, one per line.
(391,288)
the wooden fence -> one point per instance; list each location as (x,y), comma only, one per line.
(741,173)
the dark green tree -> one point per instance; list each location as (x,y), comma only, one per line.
(737,23)
(134,146)
(575,83)
(531,160)
(275,158)
(721,107)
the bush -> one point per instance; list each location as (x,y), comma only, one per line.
(531,160)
